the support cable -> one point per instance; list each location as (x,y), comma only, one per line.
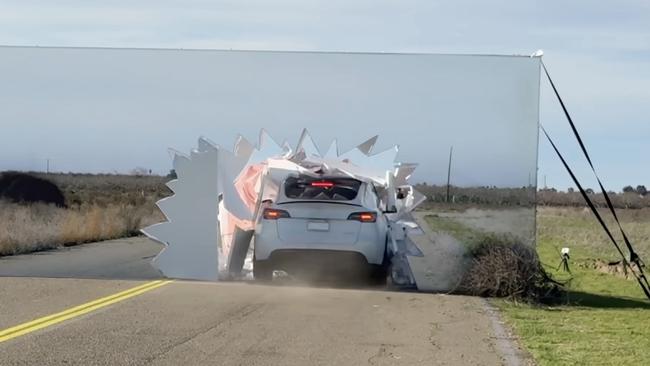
(633,256)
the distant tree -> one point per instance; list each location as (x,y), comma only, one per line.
(570,190)
(628,189)
(172,174)
(589,191)
(640,189)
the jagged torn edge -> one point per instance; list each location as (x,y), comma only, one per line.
(191,230)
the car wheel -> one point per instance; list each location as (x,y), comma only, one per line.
(379,273)
(379,276)
(262,271)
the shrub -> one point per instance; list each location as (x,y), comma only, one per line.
(501,267)
(25,188)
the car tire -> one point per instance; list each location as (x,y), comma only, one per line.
(262,270)
(379,273)
(378,276)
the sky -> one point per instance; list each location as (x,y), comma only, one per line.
(597,53)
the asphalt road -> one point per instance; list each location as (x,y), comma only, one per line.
(113,259)
(236,323)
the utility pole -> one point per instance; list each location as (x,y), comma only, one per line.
(48,167)
(451,150)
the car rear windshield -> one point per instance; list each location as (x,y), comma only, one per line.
(321,189)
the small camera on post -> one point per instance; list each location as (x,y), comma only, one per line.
(564,253)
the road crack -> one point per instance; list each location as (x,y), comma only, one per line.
(229,317)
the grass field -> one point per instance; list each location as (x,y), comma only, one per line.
(606,320)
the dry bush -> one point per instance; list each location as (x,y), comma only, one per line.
(105,189)
(34,227)
(501,267)
(27,188)
(100,207)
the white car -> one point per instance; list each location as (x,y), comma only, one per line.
(331,224)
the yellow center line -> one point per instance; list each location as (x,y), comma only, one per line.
(53,319)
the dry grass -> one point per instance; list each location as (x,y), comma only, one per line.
(28,228)
(106,189)
(100,207)
(504,268)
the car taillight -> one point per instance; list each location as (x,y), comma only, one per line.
(322,184)
(274,214)
(363,216)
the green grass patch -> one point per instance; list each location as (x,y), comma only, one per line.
(606,319)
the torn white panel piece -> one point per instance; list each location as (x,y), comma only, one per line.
(190,234)
(332,151)
(307,145)
(366,147)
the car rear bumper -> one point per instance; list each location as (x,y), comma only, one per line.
(369,245)
(320,262)
(372,252)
